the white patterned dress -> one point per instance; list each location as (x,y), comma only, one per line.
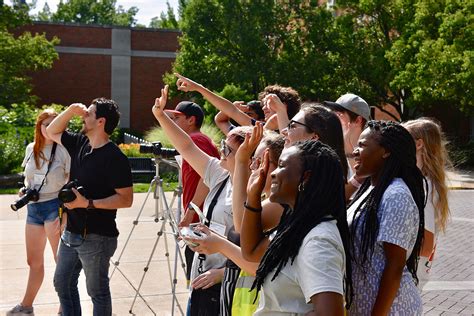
(398,224)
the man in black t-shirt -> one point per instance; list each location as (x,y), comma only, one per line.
(90,237)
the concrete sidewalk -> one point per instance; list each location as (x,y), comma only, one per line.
(156,286)
(450,290)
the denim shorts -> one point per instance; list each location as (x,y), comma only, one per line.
(42,212)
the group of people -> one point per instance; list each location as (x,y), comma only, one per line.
(311,208)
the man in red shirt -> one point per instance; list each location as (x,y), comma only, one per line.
(189,116)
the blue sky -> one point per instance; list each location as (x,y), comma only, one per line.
(147,8)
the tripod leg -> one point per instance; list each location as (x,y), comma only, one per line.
(135,223)
(145,269)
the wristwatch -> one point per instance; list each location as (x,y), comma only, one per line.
(91,206)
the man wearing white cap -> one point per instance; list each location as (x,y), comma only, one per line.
(353,112)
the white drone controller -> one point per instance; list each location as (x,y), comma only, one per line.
(189,232)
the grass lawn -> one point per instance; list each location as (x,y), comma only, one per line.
(143,187)
(9,190)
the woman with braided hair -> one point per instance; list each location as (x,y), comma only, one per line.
(306,262)
(386,222)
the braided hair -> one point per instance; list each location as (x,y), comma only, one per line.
(401,163)
(312,207)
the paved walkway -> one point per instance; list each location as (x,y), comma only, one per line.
(449,292)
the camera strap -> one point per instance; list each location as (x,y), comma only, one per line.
(51,158)
(210,210)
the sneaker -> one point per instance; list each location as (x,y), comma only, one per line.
(20,310)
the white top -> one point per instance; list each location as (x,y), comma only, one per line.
(424,265)
(430,208)
(58,173)
(222,214)
(318,267)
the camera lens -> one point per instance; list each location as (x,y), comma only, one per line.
(30,195)
(66,195)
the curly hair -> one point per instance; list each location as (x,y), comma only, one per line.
(287,95)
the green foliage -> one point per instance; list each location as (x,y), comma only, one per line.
(20,56)
(166,20)
(13,16)
(102,12)
(13,142)
(45,14)
(412,52)
(157,134)
(16,131)
(434,57)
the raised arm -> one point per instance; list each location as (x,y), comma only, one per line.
(274,102)
(222,121)
(242,173)
(60,122)
(222,104)
(197,158)
(253,242)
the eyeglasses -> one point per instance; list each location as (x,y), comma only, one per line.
(225,149)
(255,163)
(292,125)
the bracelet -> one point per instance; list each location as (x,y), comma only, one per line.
(252,209)
(354,182)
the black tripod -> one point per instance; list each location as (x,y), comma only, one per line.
(163,213)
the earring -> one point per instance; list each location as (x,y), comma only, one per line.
(301,187)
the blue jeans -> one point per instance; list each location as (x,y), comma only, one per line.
(42,212)
(92,255)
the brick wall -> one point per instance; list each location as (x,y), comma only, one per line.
(84,69)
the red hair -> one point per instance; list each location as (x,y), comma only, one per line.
(39,137)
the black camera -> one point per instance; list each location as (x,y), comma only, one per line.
(157,149)
(29,195)
(67,195)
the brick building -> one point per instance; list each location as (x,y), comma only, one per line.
(124,64)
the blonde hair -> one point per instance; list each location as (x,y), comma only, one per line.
(39,138)
(435,160)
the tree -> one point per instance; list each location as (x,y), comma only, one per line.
(433,60)
(45,14)
(389,52)
(166,20)
(20,55)
(412,54)
(255,43)
(102,12)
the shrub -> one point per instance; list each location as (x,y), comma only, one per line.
(13,142)
(133,150)
(157,134)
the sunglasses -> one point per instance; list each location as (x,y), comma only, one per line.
(293,125)
(225,149)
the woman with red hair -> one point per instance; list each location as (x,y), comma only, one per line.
(42,221)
